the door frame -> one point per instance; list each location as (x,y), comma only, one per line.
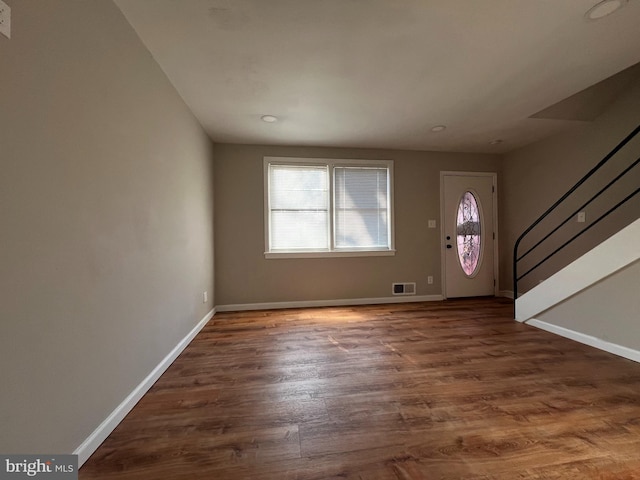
(496,271)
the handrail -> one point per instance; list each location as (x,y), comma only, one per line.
(588,175)
(579,209)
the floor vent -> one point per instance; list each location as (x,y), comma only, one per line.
(403,288)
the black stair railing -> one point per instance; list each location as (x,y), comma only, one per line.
(516,258)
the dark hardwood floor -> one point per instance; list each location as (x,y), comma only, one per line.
(440,390)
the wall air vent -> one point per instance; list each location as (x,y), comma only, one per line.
(407,288)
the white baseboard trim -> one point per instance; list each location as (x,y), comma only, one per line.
(327,303)
(596,342)
(93,441)
(506,294)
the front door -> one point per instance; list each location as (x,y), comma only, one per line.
(468,233)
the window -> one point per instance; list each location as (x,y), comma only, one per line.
(299,207)
(317,207)
(361,207)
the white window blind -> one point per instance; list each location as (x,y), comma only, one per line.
(298,207)
(361,203)
(328,207)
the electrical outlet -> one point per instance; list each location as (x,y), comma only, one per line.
(205,297)
(432,224)
(5,19)
(582,217)
(430,280)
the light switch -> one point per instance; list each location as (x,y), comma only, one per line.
(5,19)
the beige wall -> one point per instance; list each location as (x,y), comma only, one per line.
(244,276)
(607,310)
(534,177)
(106,209)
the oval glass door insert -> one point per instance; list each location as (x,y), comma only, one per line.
(469,233)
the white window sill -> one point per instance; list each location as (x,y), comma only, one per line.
(333,254)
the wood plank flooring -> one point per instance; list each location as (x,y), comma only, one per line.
(439,390)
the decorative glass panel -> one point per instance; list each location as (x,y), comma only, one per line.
(468,233)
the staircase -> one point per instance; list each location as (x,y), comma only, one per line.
(592,295)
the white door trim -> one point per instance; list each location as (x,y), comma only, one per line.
(496,271)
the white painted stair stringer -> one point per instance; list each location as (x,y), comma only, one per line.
(615,253)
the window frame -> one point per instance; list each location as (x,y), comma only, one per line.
(332,251)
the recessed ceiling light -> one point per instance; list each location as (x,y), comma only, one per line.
(496,142)
(604,8)
(269,118)
(438,128)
